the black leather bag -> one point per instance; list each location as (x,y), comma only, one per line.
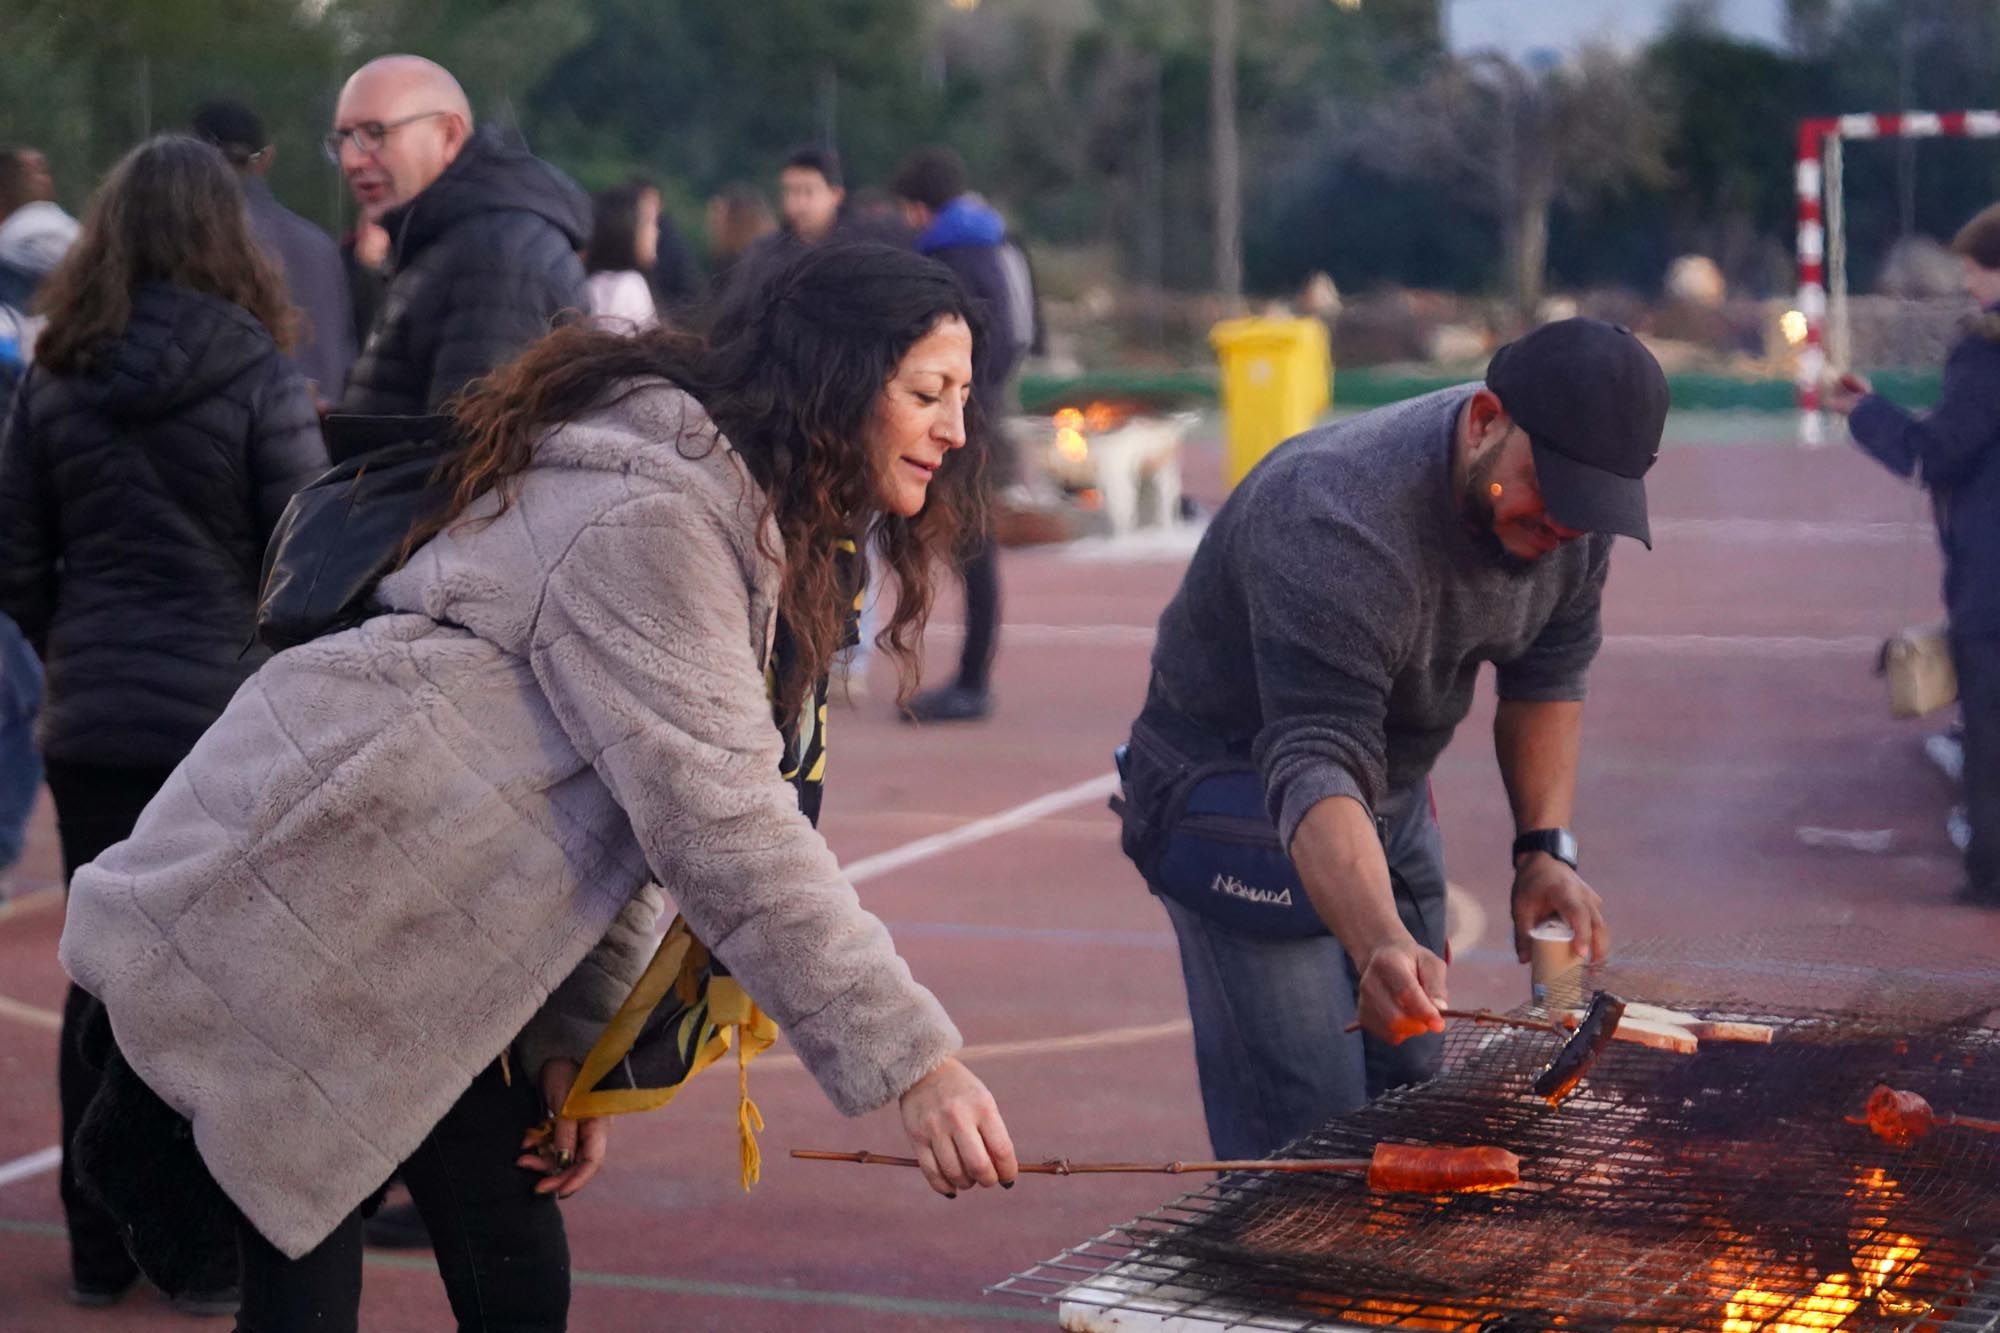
(345,529)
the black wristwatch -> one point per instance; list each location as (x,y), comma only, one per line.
(1557,842)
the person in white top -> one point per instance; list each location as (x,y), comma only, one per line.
(624,242)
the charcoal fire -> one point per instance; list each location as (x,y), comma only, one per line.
(1719,1191)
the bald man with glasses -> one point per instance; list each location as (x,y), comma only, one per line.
(483,237)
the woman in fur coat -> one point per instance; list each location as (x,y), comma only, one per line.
(408,847)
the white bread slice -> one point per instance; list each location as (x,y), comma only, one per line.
(1703,1029)
(1646,1032)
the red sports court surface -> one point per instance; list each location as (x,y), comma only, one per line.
(1733,706)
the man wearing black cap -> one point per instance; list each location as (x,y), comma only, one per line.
(315,278)
(1314,664)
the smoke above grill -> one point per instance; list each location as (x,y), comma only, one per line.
(1725,1191)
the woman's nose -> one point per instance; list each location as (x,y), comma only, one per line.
(951,423)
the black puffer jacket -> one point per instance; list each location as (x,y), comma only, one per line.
(483,263)
(135,502)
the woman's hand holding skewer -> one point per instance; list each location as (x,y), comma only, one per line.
(956,1128)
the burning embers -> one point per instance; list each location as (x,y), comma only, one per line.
(1719,1190)
(1878,1286)
(1075,425)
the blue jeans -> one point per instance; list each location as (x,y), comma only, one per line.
(20,765)
(1268,1011)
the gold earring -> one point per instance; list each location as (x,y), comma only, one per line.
(1495,490)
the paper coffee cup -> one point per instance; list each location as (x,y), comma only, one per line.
(1552,955)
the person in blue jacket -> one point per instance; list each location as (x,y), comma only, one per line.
(1954,452)
(954,226)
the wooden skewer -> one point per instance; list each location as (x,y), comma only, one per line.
(1968,1122)
(1488,1016)
(1062,1166)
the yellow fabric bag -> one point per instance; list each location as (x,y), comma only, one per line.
(690,1012)
(687,1012)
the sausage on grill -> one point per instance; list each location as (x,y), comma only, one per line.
(1593,1033)
(1405,1168)
(1899,1117)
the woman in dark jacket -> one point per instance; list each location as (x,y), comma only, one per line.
(150,451)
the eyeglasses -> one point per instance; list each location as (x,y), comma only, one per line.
(370,134)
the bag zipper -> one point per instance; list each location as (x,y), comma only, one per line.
(1231,828)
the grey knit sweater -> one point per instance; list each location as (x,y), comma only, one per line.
(1333,621)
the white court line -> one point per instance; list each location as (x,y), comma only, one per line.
(29,1015)
(1747,645)
(996,1050)
(1176,544)
(1471,916)
(1472,924)
(923,849)
(23,903)
(868,867)
(1782,646)
(1794,531)
(34,1164)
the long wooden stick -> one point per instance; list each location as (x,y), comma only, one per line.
(1488,1016)
(1968,1122)
(1062,1166)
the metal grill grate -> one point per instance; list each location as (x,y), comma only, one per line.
(1722,1191)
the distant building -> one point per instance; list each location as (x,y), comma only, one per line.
(1534,32)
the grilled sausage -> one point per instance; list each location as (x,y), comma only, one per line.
(1404,1168)
(1899,1117)
(1580,1052)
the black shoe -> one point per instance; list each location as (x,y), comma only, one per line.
(96,1294)
(954,703)
(397,1226)
(1972,895)
(208,1304)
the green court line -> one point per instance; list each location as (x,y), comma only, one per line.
(684,1286)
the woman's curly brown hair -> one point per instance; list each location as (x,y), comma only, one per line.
(170,211)
(792,373)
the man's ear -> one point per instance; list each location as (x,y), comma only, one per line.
(456,132)
(1488,419)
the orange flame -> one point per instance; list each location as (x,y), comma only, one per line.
(1101,417)
(1881,1266)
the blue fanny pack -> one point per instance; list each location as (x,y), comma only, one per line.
(1200,835)
(1198,829)
(1219,855)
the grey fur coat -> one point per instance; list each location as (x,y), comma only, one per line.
(399,841)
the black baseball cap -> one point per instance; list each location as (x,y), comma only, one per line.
(230,126)
(1593,402)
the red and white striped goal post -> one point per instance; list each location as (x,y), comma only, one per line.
(1816,137)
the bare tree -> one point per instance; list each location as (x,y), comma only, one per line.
(1518,141)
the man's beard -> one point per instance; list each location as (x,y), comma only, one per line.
(1475,511)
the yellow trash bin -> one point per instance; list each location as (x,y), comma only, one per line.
(1277,377)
